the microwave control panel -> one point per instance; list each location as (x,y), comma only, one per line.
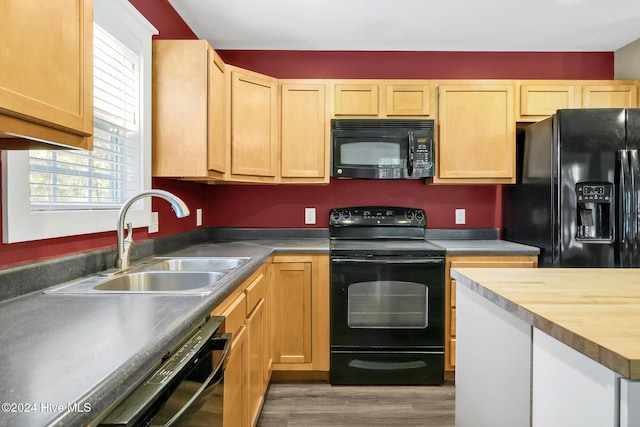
(423,152)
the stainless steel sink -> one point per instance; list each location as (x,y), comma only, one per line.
(156,281)
(145,282)
(197,264)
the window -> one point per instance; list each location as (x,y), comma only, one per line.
(53,193)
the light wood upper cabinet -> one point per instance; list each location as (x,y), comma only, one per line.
(476,141)
(216,120)
(304,132)
(610,96)
(383,98)
(46,74)
(189,120)
(254,126)
(409,100)
(359,99)
(537,101)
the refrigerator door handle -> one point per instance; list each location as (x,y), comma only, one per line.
(634,212)
(623,177)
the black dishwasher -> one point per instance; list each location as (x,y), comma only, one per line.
(186,390)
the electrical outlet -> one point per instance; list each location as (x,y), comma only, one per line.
(198,217)
(309,215)
(154,226)
(460,216)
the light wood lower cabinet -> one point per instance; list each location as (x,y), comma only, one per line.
(247,372)
(279,319)
(236,379)
(46,83)
(300,313)
(471,261)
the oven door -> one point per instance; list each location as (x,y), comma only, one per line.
(387,302)
(387,320)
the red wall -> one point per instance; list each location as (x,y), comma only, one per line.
(424,65)
(283,206)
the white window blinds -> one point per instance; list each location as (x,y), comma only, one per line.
(107,176)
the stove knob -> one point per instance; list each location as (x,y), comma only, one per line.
(419,215)
(409,215)
(346,214)
(335,216)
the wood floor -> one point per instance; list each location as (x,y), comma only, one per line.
(323,405)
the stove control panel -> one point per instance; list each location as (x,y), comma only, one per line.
(377,216)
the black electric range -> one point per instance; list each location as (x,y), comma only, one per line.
(387,298)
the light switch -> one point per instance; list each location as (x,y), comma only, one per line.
(198,217)
(309,215)
(460,216)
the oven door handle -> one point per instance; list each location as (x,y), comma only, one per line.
(220,342)
(389,261)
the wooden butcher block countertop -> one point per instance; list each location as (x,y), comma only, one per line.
(594,311)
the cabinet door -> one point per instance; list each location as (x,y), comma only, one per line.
(300,312)
(304,142)
(46,83)
(477,134)
(236,381)
(356,99)
(610,96)
(254,147)
(216,140)
(180,108)
(255,339)
(408,100)
(292,312)
(471,261)
(540,101)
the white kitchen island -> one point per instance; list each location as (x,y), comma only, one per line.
(548,347)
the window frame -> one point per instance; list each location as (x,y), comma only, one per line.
(19,223)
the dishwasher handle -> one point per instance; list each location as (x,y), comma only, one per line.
(385,260)
(219,342)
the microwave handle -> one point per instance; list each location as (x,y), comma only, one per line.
(411,153)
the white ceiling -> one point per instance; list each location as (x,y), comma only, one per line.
(422,25)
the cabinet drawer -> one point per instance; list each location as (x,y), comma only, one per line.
(453,292)
(452,353)
(453,322)
(235,315)
(255,292)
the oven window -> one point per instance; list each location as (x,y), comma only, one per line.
(388,304)
(370,153)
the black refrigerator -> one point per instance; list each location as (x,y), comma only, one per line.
(577,189)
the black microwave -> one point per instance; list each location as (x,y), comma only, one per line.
(382,148)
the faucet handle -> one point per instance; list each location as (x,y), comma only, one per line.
(129,237)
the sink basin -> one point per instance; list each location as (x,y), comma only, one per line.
(197,264)
(144,282)
(156,281)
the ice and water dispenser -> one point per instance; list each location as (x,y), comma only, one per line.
(595,210)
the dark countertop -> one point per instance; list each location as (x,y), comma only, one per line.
(484,247)
(61,349)
(93,349)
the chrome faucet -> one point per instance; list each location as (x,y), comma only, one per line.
(124,244)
